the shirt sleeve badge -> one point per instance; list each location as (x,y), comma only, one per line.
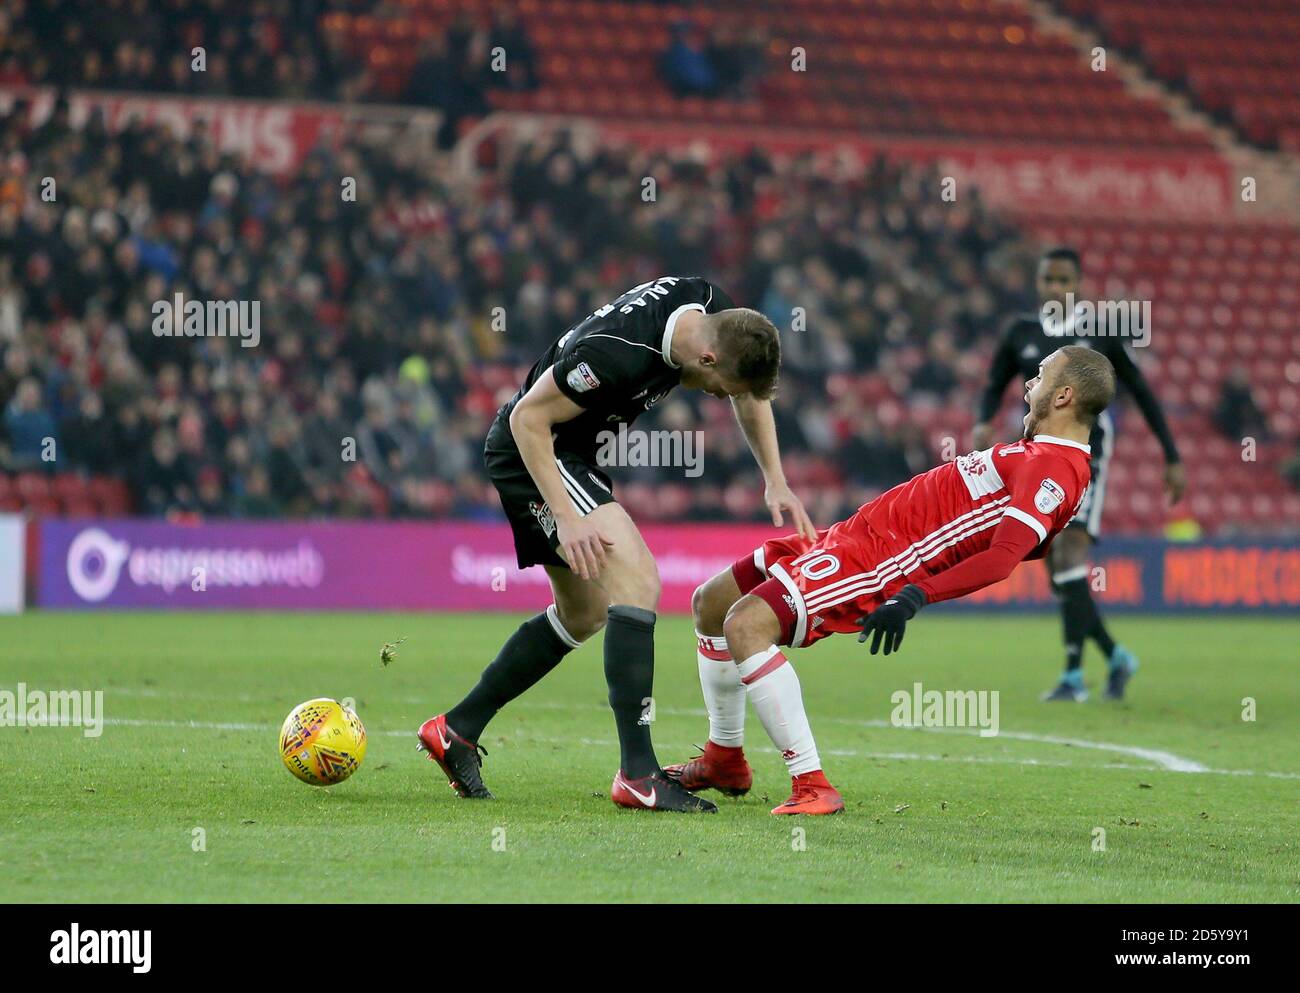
(581,378)
(1050,496)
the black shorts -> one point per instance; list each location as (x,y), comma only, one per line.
(529,516)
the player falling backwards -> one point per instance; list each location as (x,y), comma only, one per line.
(943,534)
(541,456)
(1025,340)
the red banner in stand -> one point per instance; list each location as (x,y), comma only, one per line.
(1023,178)
(275,136)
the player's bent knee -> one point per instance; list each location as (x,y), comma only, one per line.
(711,601)
(750,626)
(576,626)
(699,600)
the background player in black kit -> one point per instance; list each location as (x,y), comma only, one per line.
(541,455)
(1024,343)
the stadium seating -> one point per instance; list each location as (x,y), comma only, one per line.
(975,68)
(65,494)
(1238,62)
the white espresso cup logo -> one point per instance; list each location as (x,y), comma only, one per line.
(95,560)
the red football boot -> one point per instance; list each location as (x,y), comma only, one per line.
(458,757)
(811,794)
(716,768)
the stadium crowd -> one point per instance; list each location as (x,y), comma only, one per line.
(380,337)
(270,49)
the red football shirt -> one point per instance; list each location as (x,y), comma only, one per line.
(950,531)
(953,512)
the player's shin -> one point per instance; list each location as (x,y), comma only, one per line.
(629,671)
(529,654)
(773,688)
(724,694)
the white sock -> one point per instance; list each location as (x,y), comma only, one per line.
(773,688)
(724,694)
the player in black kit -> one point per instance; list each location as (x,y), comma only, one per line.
(607,370)
(1025,340)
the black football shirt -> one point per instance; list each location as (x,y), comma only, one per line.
(616,363)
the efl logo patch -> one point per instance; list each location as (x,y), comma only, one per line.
(545,519)
(1050,496)
(581,378)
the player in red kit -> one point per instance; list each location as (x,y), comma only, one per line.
(946,533)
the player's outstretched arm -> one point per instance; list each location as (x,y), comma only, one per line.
(1012,542)
(536,413)
(888,622)
(1001,371)
(756,421)
(1128,373)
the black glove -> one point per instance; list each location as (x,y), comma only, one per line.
(889,620)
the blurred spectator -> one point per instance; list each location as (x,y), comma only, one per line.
(687,65)
(1291,469)
(27,426)
(452,80)
(162,477)
(253,50)
(937,375)
(736,54)
(508,34)
(89,436)
(1237,415)
(256,500)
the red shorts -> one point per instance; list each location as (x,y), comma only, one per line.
(820,588)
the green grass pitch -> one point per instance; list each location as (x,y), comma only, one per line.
(193,704)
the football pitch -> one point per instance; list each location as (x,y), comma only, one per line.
(1168,796)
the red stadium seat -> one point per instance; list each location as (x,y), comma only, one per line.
(33,486)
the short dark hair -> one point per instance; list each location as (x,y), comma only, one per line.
(1064,253)
(749,349)
(1093,379)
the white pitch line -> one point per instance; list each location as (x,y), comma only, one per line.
(1163,759)
(1166,760)
(839,752)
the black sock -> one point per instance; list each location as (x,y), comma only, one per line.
(630,673)
(1100,635)
(529,654)
(1080,621)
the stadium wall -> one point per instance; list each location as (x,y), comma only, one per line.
(128,564)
